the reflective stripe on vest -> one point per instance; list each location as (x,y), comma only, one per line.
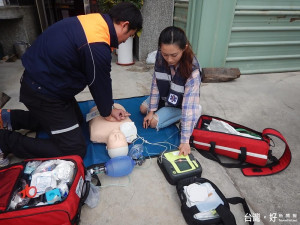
(167,77)
(162,76)
(95,28)
(177,88)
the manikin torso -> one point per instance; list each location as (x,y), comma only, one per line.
(103,131)
(100,128)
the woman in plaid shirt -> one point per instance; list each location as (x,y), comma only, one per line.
(175,89)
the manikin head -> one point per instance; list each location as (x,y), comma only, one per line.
(117,144)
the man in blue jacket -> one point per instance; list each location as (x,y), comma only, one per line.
(67,57)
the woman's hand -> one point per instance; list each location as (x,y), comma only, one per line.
(117,115)
(184,148)
(147,119)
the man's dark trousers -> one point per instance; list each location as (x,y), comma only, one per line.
(60,119)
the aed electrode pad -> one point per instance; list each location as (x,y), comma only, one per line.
(176,167)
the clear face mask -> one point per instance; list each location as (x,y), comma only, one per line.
(129,130)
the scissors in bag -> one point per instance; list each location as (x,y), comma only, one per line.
(29,192)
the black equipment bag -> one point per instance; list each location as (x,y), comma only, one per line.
(225,216)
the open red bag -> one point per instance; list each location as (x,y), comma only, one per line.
(253,154)
(66,211)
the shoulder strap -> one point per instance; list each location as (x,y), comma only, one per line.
(273,168)
(84,194)
(226,214)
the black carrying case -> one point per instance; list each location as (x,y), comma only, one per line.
(225,215)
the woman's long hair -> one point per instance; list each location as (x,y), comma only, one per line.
(175,35)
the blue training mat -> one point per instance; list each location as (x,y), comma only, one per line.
(97,153)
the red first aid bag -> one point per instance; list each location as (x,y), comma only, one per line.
(253,151)
(65,211)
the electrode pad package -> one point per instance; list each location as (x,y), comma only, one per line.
(129,130)
(203,196)
(176,167)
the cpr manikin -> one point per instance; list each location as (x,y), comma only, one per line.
(116,135)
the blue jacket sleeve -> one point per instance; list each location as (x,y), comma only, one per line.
(97,66)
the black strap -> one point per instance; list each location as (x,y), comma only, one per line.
(239,200)
(211,154)
(95,177)
(226,215)
(85,192)
(243,155)
(193,210)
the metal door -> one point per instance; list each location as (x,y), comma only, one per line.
(265,36)
(256,36)
(180,13)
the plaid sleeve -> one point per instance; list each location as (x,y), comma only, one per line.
(154,95)
(191,109)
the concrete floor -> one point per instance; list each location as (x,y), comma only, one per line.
(145,197)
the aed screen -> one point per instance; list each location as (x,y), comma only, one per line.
(183,165)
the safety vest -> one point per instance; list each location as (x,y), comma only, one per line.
(171,89)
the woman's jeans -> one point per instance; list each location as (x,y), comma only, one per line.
(166,115)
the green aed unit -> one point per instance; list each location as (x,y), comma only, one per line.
(176,167)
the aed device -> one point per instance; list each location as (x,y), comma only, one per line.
(176,167)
